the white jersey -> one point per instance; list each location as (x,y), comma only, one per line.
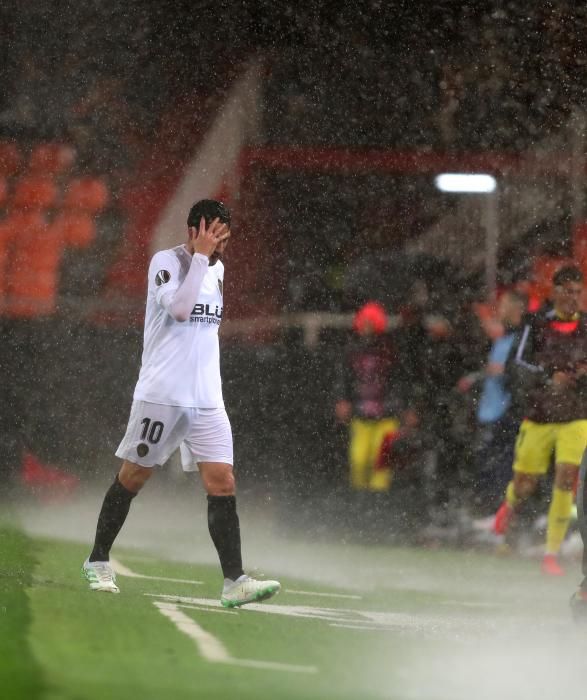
(181,359)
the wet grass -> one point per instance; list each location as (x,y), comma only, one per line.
(20,674)
(440,625)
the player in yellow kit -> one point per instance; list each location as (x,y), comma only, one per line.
(551,361)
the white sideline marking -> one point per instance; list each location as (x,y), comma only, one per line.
(213,650)
(214,610)
(396,622)
(209,647)
(325,595)
(366,618)
(288,610)
(123,570)
(361,619)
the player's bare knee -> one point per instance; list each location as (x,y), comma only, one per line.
(132,483)
(524,485)
(565,476)
(133,477)
(224,486)
(218,479)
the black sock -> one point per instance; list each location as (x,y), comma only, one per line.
(225,532)
(112,516)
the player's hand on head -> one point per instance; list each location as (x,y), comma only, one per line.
(208,238)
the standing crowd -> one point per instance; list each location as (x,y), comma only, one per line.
(497,401)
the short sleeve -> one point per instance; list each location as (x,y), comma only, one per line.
(164,274)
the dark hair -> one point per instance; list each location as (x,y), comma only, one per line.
(210,209)
(569,273)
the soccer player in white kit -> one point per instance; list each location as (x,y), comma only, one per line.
(178,402)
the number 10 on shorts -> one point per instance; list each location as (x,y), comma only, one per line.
(152,431)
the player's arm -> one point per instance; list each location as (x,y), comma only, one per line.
(180,302)
(528,369)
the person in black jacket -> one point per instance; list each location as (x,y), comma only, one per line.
(551,363)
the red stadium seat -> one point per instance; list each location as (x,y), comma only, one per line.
(88,194)
(31,250)
(51,159)
(32,271)
(9,158)
(35,192)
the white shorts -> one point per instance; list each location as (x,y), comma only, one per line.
(155,431)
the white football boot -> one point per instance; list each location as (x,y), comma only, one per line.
(247,590)
(100,576)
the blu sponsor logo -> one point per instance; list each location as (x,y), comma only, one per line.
(205,313)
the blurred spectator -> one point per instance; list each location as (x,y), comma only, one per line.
(367,400)
(436,343)
(497,416)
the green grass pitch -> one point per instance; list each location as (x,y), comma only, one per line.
(433,625)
